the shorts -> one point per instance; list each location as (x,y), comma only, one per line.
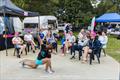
(54,44)
(38,62)
(17,46)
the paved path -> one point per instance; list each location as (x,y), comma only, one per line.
(65,69)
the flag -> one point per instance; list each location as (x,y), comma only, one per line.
(92,23)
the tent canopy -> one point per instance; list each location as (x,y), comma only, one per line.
(109,17)
(7,7)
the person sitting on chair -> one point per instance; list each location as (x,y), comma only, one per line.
(18,42)
(51,40)
(67,43)
(44,57)
(103,39)
(93,45)
(30,40)
(81,42)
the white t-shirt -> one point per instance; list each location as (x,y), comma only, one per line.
(72,39)
(16,40)
(28,37)
(103,40)
(67,36)
(83,41)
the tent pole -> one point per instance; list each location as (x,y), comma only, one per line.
(5,29)
(5,33)
(39,22)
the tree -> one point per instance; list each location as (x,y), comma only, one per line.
(76,11)
(44,7)
(107,6)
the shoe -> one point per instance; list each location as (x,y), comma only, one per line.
(84,61)
(54,52)
(33,51)
(73,57)
(50,72)
(67,51)
(62,54)
(18,56)
(23,64)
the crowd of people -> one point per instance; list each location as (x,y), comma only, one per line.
(85,42)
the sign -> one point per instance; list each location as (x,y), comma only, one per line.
(25,13)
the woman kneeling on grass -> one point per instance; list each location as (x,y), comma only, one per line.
(44,57)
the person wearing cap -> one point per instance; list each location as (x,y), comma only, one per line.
(18,42)
(30,40)
(93,44)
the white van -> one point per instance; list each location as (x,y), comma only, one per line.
(33,24)
(44,21)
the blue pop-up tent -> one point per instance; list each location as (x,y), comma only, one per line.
(109,17)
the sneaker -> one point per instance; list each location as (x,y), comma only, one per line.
(33,51)
(23,64)
(84,61)
(62,54)
(54,52)
(18,56)
(50,72)
(73,57)
(67,51)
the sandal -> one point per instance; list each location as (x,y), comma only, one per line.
(84,61)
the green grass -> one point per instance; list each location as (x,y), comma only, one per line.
(113,48)
(75,34)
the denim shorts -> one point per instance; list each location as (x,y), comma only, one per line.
(38,62)
(17,46)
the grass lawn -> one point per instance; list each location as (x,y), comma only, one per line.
(113,48)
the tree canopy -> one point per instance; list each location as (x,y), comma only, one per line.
(73,11)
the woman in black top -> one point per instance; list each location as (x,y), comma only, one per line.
(44,57)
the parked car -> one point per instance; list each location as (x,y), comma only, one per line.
(115,31)
(61,27)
